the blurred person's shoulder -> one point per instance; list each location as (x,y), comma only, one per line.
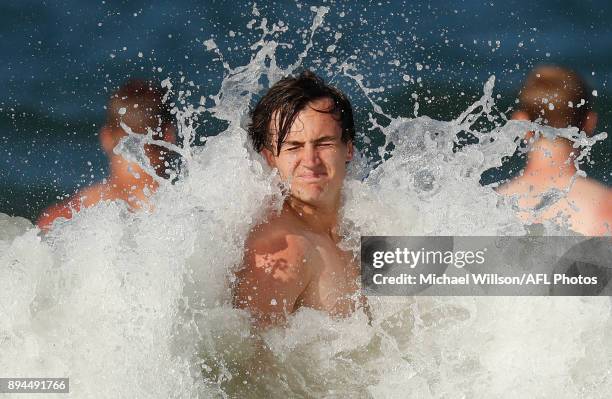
(594,197)
(84,198)
(528,190)
(588,205)
(593,188)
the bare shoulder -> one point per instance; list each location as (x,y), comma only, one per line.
(65,209)
(593,194)
(593,188)
(279,238)
(274,272)
(593,202)
(599,194)
(91,195)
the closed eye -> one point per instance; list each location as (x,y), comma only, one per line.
(292,148)
(326,141)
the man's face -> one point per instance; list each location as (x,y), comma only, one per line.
(312,157)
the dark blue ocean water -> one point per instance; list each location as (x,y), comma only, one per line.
(61,60)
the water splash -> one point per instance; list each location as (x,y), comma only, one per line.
(138,304)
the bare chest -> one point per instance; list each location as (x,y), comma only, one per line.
(334,280)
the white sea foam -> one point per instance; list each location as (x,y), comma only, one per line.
(134,305)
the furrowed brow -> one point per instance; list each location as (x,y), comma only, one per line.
(325,138)
(292,142)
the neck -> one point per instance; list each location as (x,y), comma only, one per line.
(551,160)
(128,181)
(318,218)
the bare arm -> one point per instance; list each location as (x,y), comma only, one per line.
(272,279)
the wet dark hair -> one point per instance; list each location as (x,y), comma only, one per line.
(286,99)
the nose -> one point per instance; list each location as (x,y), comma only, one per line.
(310,155)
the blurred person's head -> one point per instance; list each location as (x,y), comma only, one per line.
(305,129)
(557,97)
(139,104)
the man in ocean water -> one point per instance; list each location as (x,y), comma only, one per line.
(558,97)
(140,105)
(304,129)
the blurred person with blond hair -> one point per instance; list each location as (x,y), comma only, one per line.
(558,97)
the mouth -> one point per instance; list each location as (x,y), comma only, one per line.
(312,177)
